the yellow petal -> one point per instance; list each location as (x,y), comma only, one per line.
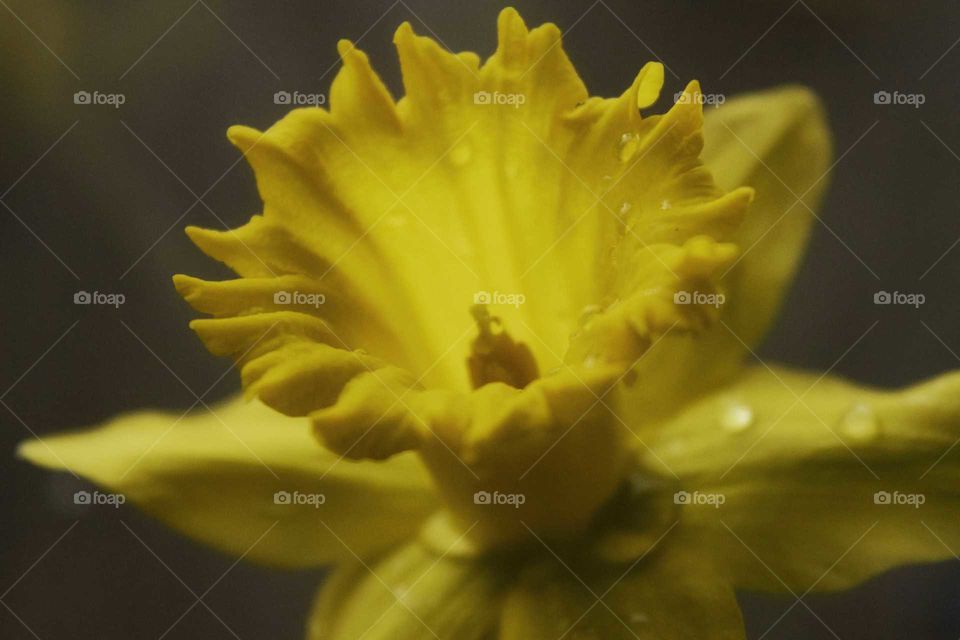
(799,479)
(553,444)
(650,81)
(674,593)
(216,477)
(502,184)
(778,142)
(412,593)
(403,220)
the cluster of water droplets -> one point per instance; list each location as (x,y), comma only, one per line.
(859,423)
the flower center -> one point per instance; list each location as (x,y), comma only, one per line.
(496,357)
(524,452)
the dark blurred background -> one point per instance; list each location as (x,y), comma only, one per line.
(96,197)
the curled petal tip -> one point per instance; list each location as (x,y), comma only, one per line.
(648,84)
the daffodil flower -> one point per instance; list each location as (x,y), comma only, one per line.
(495,338)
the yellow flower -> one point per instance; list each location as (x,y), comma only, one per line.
(517,318)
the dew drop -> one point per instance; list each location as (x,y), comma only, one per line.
(860,422)
(627,146)
(665,205)
(736,417)
(625,208)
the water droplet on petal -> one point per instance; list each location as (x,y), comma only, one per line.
(860,422)
(736,417)
(625,208)
(664,204)
(627,146)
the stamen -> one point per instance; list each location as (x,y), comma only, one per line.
(496,357)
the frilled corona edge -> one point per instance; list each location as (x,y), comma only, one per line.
(579,223)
